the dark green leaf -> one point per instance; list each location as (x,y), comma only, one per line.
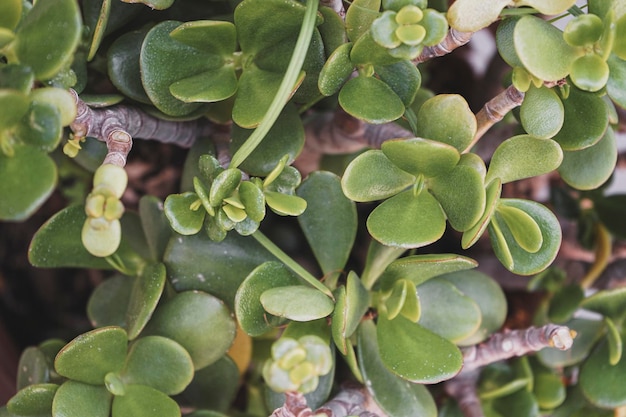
(34,400)
(182,217)
(109,302)
(155,225)
(213,387)
(123,65)
(609,210)
(206,87)
(404,79)
(601,382)
(144,296)
(351,304)
(565,302)
(257,89)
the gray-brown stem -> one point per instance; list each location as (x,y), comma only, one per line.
(349,402)
(336,5)
(463,389)
(453,40)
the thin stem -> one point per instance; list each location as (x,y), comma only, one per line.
(453,40)
(286,86)
(494,110)
(290,263)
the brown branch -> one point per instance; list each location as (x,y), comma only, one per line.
(494,110)
(463,389)
(349,402)
(508,344)
(118,125)
(453,40)
(336,5)
(339,133)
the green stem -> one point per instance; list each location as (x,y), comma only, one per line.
(286,86)
(290,263)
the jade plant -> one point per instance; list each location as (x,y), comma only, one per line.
(316,121)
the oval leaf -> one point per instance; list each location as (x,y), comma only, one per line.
(434,121)
(75,399)
(542,113)
(419,156)
(141,401)
(297,302)
(601,382)
(144,296)
(371,100)
(33,400)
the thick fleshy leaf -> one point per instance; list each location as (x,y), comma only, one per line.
(213,36)
(395,395)
(473,15)
(601,382)
(297,302)
(198,263)
(542,112)
(250,312)
(158,73)
(108,303)
(182,217)
(589,72)
(336,70)
(371,100)
(609,210)
(155,225)
(378,259)
(224,185)
(432,358)
(123,65)
(11,12)
(144,296)
(330,221)
(213,387)
(548,387)
(489,298)
(41,126)
(351,304)
(610,303)
(587,334)
(59,98)
(461,193)
(589,168)
(173,373)
(434,121)
(565,302)
(33,400)
(521,403)
(58,20)
(78,399)
(524,228)
(372,176)
(30,176)
(614,339)
(541,48)
(419,156)
(446,311)
(617,78)
(524,156)
(360,16)
(523,262)
(285,204)
(549,8)
(407,220)
(286,137)
(92,355)
(206,87)
(421,268)
(200,322)
(404,79)
(492,196)
(33,368)
(395,301)
(586,120)
(141,401)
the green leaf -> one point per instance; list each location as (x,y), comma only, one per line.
(542,113)
(521,402)
(378,259)
(609,211)
(250,313)
(213,387)
(541,48)
(407,220)
(58,98)
(504,41)
(396,396)
(11,12)
(141,401)
(78,399)
(610,303)
(371,100)
(330,221)
(526,263)
(614,340)
(173,372)
(415,353)
(473,15)
(549,8)
(524,229)
(286,137)
(600,381)
(372,176)
(92,355)
(565,302)
(16,77)
(182,217)
(33,368)
(589,168)
(155,225)
(461,193)
(123,65)
(492,197)
(524,156)
(586,120)
(421,268)
(144,296)
(395,302)
(109,302)
(41,126)
(297,302)
(160,61)
(419,156)
(58,20)
(224,185)
(336,70)
(29,176)
(198,263)
(617,78)
(33,400)
(404,79)
(446,311)
(548,387)
(206,87)
(434,121)
(199,322)
(212,36)
(489,298)
(589,72)
(360,16)
(352,302)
